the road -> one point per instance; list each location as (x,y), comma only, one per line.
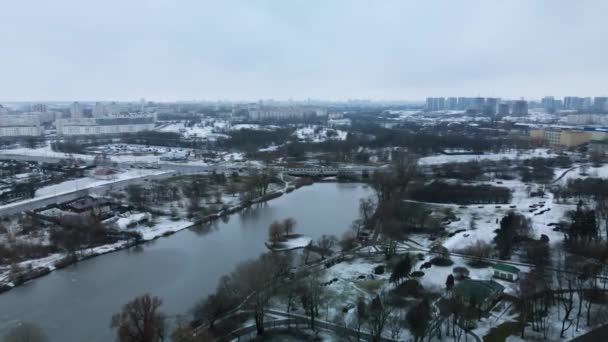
(40,202)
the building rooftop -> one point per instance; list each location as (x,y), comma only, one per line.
(478,289)
(506,268)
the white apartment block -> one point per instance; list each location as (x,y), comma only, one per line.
(281,113)
(105,125)
(587,119)
(19,125)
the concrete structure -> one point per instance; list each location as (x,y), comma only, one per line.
(105,125)
(19,125)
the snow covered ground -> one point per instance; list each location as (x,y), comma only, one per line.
(293,243)
(462,158)
(196,131)
(319,134)
(91,182)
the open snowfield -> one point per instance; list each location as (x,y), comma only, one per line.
(197,131)
(463,158)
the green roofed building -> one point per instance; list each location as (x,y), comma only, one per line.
(506,272)
(481,293)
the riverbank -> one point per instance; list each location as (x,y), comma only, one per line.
(36,268)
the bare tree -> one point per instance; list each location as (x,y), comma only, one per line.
(275,232)
(348,241)
(216,305)
(140,321)
(311,294)
(379,311)
(25,332)
(289,225)
(325,244)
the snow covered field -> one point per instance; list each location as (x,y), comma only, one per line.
(197,131)
(90,182)
(319,134)
(463,158)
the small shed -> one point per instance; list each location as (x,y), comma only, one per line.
(506,272)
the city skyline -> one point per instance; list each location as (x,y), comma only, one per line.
(238,50)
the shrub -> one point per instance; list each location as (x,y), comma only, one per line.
(441,261)
(379,269)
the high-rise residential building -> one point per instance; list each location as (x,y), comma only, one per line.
(451,103)
(435,103)
(520,108)
(99,110)
(548,103)
(76,110)
(39,107)
(572,102)
(463,103)
(491,106)
(503,109)
(600,104)
(478,104)
(586,103)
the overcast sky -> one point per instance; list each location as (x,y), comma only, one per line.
(249,49)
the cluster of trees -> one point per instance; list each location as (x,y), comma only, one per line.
(194,189)
(583,188)
(583,225)
(251,286)
(250,140)
(514,229)
(69,146)
(72,235)
(157,138)
(278,231)
(257,183)
(436,139)
(540,170)
(442,192)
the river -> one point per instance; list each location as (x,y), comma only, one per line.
(76,304)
